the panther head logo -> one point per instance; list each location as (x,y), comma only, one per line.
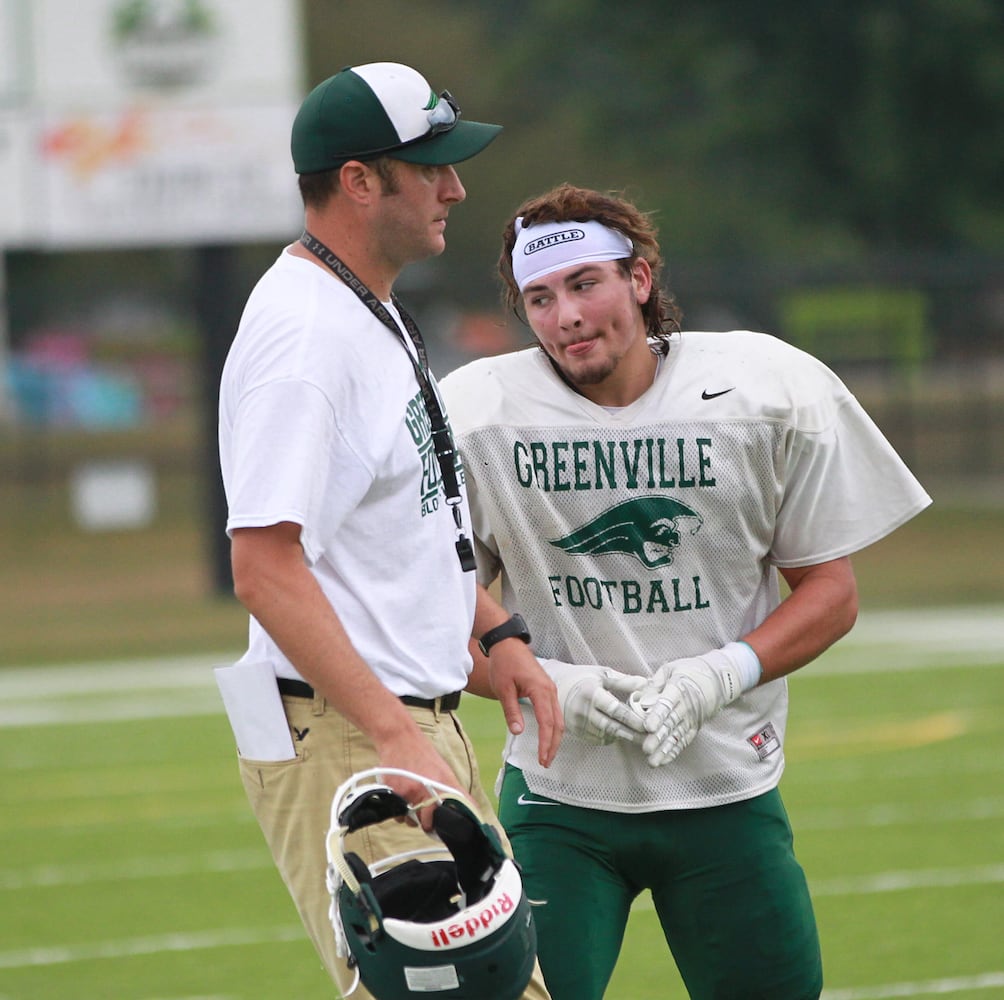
(644,527)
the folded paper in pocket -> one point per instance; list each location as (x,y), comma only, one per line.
(254,708)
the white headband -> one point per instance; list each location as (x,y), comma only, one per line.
(546,247)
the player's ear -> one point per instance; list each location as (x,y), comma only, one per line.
(641,279)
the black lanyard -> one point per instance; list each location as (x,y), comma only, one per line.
(446,452)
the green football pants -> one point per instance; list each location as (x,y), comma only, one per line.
(730,896)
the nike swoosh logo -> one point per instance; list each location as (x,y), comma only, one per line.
(524,801)
(714,395)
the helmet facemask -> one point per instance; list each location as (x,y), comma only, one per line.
(449,920)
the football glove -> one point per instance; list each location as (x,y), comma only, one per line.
(593,701)
(683,694)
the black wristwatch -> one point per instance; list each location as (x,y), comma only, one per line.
(515,628)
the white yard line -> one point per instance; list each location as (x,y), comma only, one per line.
(916,815)
(60,709)
(59,876)
(928,638)
(883,882)
(889,641)
(904,881)
(109,692)
(95,677)
(929,988)
(130,947)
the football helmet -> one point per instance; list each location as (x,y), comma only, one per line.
(449,920)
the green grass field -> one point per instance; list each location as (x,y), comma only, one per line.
(132,870)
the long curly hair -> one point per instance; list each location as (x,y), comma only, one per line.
(568,203)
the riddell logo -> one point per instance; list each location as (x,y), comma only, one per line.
(473,927)
(565,236)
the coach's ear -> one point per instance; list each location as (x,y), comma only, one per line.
(360,181)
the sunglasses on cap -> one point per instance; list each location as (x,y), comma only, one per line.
(444,115)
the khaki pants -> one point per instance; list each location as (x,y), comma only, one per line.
(292,803)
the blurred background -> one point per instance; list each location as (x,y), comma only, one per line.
(830,173)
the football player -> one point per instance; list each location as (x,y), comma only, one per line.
(642,492)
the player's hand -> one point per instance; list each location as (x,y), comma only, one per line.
(593,701)
(515,673)
(683,694)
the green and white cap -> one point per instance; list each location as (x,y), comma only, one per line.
(382,109)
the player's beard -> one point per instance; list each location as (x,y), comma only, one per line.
(586,374)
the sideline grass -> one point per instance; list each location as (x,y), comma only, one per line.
(67,595)
(131,868)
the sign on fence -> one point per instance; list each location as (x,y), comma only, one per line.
(132,122)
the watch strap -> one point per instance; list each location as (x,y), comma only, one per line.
(514,628)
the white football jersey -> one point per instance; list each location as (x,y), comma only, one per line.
(633,537)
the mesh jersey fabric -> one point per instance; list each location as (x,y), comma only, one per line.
(654,532)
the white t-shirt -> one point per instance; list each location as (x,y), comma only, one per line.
(322,424)
(652,532)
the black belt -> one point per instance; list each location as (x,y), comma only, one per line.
(301,689)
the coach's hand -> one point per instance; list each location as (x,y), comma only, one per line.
(514,674)
(683,694)
(593,701)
